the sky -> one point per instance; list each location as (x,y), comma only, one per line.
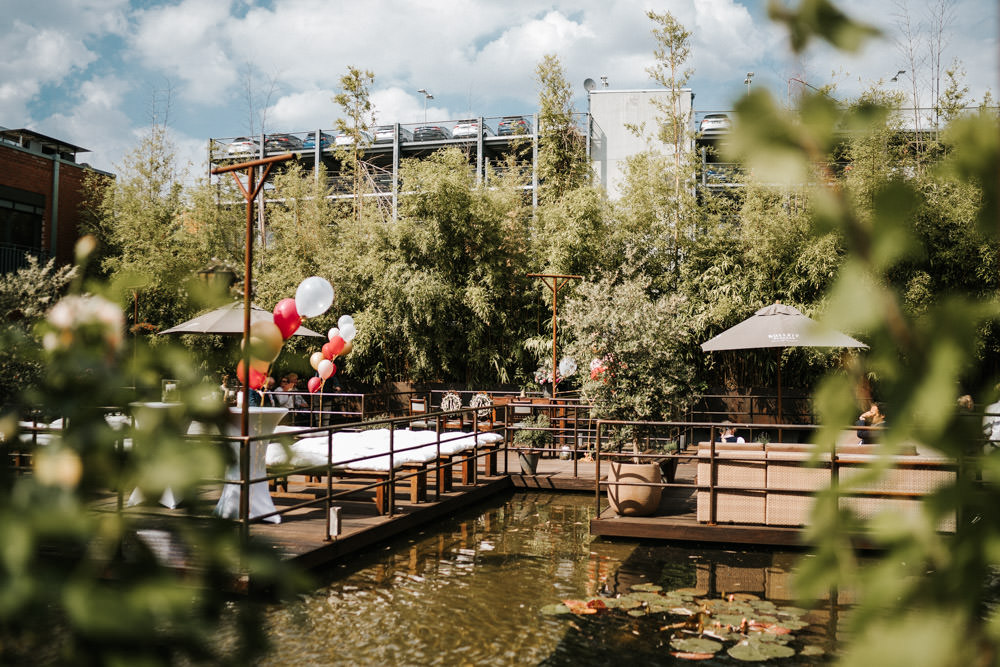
(98,73)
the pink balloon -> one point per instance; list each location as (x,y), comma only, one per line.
(325,368)
(287,318)
(314,384)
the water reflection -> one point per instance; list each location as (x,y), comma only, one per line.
(471,592)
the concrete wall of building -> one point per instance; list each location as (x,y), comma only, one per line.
(36,173)
(613,111)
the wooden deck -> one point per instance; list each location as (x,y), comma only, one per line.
(301,535)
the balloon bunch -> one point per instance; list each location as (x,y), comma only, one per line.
(340,344)
(313,297)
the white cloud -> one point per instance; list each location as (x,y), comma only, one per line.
(34,58)
(189,42)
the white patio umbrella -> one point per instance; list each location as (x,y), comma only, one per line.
(779,326)
(228,320)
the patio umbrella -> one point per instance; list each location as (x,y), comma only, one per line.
(228,320)
(778,326)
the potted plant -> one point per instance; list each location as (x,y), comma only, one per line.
(532,436)
(625,470)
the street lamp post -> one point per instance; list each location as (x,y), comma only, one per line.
(427,96)
(748,80)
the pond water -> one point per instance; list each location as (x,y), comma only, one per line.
(478,588)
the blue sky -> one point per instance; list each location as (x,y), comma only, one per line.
(96,72)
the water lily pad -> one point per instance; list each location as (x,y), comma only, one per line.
(688,592)
(555,609)
(648,588)
(755,651)
(729,619)
(794,623)
(637,612)
(612,603)
(627,602)
(696,645)
(659,607)
(792,611)
(812,650)
(743,597)
(692,656)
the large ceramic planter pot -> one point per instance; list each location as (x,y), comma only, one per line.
(529,462)
(634,500)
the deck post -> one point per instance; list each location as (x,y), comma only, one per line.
(712,472)
(391,491)
(597,469)
(245,489)
(329,482)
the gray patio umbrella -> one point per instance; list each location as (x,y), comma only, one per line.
(228,320)
(778,326)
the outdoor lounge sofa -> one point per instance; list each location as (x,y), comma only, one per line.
(776,484)
(365,455)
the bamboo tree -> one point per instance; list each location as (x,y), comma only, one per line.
(357,123)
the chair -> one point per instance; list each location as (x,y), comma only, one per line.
(418,407)
(485,415)
(449,403)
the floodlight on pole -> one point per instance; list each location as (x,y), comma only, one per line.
(748,80)
(427,96)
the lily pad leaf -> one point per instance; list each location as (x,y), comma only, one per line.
(648,588)
(555,609)
(696,645)
(754,651)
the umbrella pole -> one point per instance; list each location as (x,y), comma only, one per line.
(779,395)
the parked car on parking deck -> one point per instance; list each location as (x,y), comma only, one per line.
(386,134)
(715,122)
(325,141)
(242,146)
(279,143)
(347,138)
(513,125)
(469,128)
(431,133)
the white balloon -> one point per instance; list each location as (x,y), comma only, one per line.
(348,332)
(313,297)
(333,332)
(325,369)
(345,319)
(567,366)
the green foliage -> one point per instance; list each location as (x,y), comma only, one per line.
(359,118)
(640,340)
(441,289)
(533,434)
(86,584)
(562,146)
(25,296)
(912,245)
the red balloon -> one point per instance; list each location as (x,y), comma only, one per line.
(287,318)
(334,371)
(257,378)
(314,384)
(328,352)
(337,345)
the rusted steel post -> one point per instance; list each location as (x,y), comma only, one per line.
(557,282)
(250,193)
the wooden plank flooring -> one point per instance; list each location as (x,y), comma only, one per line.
(301,535)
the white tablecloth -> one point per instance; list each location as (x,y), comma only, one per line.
(262,421)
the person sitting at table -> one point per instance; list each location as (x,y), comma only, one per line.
(729,434)
(284,396)
(871,417)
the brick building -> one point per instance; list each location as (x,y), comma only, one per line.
(41,189)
